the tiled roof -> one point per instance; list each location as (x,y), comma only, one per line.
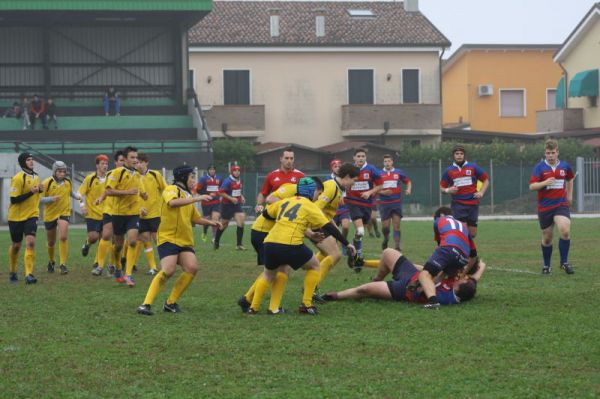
(247,23)
(272,146)
(349,145)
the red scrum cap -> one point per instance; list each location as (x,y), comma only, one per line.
(101,157)
(234,167)
(333,163)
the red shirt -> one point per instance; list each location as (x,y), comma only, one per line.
(278,177)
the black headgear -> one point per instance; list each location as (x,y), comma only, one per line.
(181,173)
(23,158)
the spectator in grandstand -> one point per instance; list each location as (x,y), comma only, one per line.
(14,111)
(285,174)
(111,100)
(553,180)
(51,114)
(37,111)
(460,181)
(25,113)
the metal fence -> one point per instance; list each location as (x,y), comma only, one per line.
(587,185)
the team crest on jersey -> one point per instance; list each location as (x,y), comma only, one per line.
(468,172)
(293,179)
(276,179)
(562,172)
(365,176)
(396,177)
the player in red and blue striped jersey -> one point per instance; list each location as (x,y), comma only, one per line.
(209,185)
(553,180)
(460,180)
(231,206)
(390,199)
(359,198)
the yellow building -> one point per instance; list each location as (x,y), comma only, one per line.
(499,88)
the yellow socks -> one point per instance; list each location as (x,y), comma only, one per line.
(114,257)
(29,260)
(320,256)
(50,253)
(310,283)
(250,294)
(130,259)
(12,260)
(149,252)
(63,251)
(262,285)
(326,265)
(371,263)
(180,286)
(155,286)
(277,291)
(104,246)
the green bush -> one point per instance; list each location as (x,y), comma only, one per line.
(227,151)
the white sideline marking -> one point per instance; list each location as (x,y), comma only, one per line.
(514,270)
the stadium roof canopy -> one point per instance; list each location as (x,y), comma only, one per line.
(106,5)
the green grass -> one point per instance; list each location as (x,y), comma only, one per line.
(524,335)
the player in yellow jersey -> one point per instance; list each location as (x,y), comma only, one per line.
(23,213)
(284,245)
(176,239)
(56,197)
(126,186)
(90,190)
(154,184)
(105,246)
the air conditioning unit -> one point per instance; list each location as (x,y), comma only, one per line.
(485,90)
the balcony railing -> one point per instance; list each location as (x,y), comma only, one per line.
(393,119)
(235,120)
(559,120)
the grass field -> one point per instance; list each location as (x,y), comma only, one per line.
(524,335)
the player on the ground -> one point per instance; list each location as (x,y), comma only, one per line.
(460,181)
(56,197)
(23,213)
(90,191)
(231,206)
(553,180)
(285,174)
(176,239)
(390,200)
(209,185)
(359,198)
(154,184)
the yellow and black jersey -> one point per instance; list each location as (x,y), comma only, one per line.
(263,224)
(292,217)
(176,222)
(91,189)
(62,190)
(329,199)
(20,184)
(124,178)
(154,184)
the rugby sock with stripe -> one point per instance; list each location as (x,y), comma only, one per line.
(155,286)
(277,290)
(149,252)
(182,283)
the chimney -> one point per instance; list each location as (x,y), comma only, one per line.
(274,22)
(411,5)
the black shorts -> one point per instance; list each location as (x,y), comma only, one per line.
(403,272)
(51,225)
(360,212)
(25,228)
(207,210)
(106,218)
(468,214)
(281,254)
(228,211)
(123,223)
(387,210)
(150,225)
(93,225)
(168,249)
(546,219)
(257,239)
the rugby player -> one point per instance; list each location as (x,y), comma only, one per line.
(231,206)
(390,200)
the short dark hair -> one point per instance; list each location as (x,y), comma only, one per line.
(318,182)
(458,147)
(356,151)
(287,149)
(347,169)
(142,156)
(128,149)
(466,291)
(442,210)
(118,154)
(388,156)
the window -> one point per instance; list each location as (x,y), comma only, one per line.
(274,25)
(512,103)
(410,86)
(550,99)
(236,87)
(361,13)
(320,25)
(360,86)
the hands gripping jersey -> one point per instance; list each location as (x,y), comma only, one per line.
(450,232)
(465,179)
(20,184)
(124,178)
(444,292)
(265,225)
(209,185)
(367,178)
(232,187)
(555,195)
(329,199)
(154,184)
(392,180)
(293,216)
(278,177)
(91,189)
(62,207)
(176,222)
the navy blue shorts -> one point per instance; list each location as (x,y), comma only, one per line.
(25,228)
(229,210)
(106,218)
(387,210)
(257,238)
(402,273)
(281,254)
(447,259)
(546,219)
(207,210)
(465,213)
(150,225)
(51,225)
(123,223)
(360,212)
(93,225)
(337,219)
(168,249)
